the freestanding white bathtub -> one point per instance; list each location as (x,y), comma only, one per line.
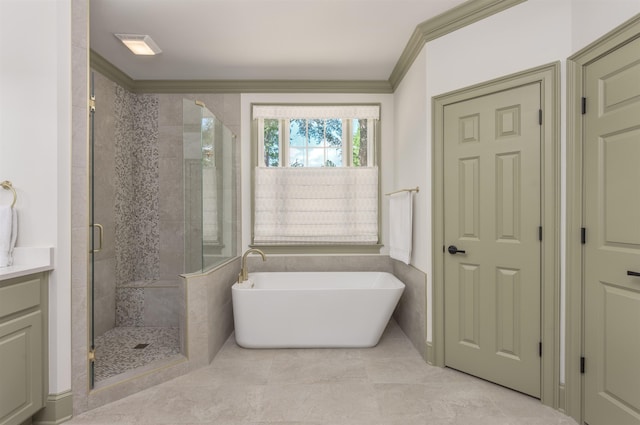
(313,309)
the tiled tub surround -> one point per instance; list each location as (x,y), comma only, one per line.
(209,311)
(320,263)
(411,312)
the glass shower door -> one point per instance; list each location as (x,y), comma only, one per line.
(95,243)
(92,239)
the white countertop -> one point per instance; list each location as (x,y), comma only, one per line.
(28,261)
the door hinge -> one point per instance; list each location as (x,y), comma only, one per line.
(540,349)
(92,354)
(582,362)
(583,235)
(92,104)
(584,105)
(540,233)
(540,116)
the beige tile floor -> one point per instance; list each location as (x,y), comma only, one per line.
(385,385)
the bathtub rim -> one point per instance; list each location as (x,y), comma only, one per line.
(397,283)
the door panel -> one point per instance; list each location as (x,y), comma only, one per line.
(469,308)
(621,153)
(508,197)
(612,220)
(508,313)
(492,212)
(469,206)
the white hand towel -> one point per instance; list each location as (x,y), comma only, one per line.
(401,226)
(8,234)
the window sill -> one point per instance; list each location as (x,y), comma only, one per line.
(319,249)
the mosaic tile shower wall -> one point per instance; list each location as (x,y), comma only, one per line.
(129,306)
(137,218)
(124,205)
(137,163)
(146,188)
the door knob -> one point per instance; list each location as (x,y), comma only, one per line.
(453,250)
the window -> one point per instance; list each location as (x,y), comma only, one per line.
(299,136)
(316,180)
(301,142)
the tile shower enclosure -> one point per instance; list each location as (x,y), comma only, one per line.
(136,273)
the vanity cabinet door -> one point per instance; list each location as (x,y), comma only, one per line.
(21,352)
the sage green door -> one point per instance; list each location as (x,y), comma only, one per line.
(612,250)
(492,212)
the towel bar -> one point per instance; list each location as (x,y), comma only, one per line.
(7,185)
(415,189)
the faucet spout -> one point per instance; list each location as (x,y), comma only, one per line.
(244,274)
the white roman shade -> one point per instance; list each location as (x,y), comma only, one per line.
(316,111)
(316,205)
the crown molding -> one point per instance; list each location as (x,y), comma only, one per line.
(456,18)
(106,68)
(465,14)
(262,86)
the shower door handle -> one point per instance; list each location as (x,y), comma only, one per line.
(101,234)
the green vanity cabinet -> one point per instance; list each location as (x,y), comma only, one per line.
(23,347)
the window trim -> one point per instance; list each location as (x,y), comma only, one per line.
(347,248)
(319,249)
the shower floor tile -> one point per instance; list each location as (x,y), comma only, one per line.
(125,348)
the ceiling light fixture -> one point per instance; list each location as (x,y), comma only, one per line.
(139,44)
